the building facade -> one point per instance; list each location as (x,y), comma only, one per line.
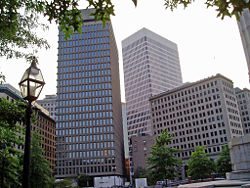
(49,103)
(243,99)
(244,28)
(140,146)
(203,113)
(10,93)
(89,112)
(46,126)
(151,66)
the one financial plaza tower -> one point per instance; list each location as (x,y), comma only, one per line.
(89,113)
(151,66)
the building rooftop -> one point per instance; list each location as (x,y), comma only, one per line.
(146,32)
(186,85)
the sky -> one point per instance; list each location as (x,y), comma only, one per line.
(207,45)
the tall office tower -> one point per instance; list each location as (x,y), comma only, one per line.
(89,112)
(243,99)
(151,66)
(49,103)
(203,113)
(244,28)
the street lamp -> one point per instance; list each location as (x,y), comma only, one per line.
(31,86)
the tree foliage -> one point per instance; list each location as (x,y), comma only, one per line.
(20,18)
(11,116)
(41,173)
(63,184)
(162,162)
(223,7)
(223,163)
(199,165)
(83,180)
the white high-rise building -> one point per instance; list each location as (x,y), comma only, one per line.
(151,66)
(244,28)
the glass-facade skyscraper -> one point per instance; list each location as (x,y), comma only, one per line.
(151,66)
(89,112)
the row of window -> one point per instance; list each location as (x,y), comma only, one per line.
(208,150)
(87,115)
(84,64)
(76,88)
(84,108)
(84,170)
(95,145)
(82,130)
(84,55)
(77,102)
(188,91)
(89,123)
(83,48)
(91,81)
(89,138)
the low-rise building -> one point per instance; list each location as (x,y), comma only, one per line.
(49,103)
(140,146)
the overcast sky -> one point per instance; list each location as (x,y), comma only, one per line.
(207,45)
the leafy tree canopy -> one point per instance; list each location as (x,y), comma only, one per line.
(163,163)
(223,7)
(83,180)
(199,165)
(63,184)
(41,172)
(11,117)
(223,163)
(20,18)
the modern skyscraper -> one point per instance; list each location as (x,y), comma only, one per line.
(244,28)
(151,66)
(89,113)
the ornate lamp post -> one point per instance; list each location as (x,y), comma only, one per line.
(31,86)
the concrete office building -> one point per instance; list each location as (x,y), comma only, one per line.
(151,66)
(244,28)
(243,99)
(49,103)
(89,111)
(202,113)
